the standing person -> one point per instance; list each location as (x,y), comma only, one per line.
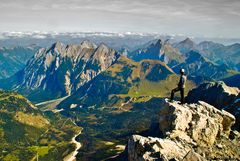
(181,86)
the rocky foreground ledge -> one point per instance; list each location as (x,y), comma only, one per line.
(191,132)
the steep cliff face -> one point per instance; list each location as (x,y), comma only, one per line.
(63,69)
(191,132)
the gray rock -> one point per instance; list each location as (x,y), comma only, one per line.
(62,69)
(220,96)
(191,133)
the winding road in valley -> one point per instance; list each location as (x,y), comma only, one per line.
(72,156)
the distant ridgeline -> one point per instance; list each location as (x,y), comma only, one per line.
(63,70)
(14,59)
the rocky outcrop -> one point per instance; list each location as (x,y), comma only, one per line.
(191,132)
(220,96)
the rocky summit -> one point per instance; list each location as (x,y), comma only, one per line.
(190,132)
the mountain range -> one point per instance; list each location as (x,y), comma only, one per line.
(104,91)
(184,55)
(69,70)
(215,52)
(61,69)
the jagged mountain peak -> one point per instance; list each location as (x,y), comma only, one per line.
(187,41)
(105,56)
(157,43)
(102,45)
(88,44)
(186,45)
(57,49)
(158,50)
(62,69)
(58,45)
(103,49)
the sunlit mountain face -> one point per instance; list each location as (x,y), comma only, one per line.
(95,89)
(102,80)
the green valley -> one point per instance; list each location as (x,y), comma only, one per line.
(27,133)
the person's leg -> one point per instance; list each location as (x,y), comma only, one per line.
(182,95)
(173,91)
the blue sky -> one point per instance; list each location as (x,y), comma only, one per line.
(211,18)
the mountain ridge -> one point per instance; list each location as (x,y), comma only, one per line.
(61,69)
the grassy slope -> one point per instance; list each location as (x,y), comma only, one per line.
(127,79)
(25,131)
(146,86)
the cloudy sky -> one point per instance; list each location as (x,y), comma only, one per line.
(212,18)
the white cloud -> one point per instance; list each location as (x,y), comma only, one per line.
(174,16)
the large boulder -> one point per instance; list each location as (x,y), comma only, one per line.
(191,132)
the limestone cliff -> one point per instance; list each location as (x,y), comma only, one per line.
(62,69)
(196,131)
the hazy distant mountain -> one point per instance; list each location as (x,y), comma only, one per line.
(116,41)
(219,53)
(158,50)
(61,69)
(186,46)
(197,65)
(216,52)
(14,59)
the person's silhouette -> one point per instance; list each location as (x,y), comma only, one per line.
(181,86)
